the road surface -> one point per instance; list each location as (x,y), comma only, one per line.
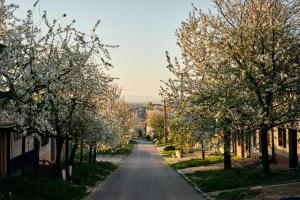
(144,175)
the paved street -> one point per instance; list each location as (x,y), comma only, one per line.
(145,176)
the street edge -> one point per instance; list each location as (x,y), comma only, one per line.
(187,179)
(204,194)
(90,190)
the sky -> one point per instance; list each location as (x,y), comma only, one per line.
(143,29)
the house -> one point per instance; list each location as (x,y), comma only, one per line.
(279,145)
(11,145)
(244,145)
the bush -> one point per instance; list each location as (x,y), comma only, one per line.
(169,148)
(157,142)
(132,141)
(162,140)
(148,137)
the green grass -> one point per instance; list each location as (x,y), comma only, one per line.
(168,153)
(42,188)
(89,174)
(233,195)
(163,144)
(46,188)
(124,149)
(85,156)
(198,162)
(217,180)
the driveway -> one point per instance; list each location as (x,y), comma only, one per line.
(144,175)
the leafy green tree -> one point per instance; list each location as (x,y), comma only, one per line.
(155,120)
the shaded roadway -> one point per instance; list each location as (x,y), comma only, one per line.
(144,175)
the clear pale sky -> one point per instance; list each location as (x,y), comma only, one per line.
(144,29)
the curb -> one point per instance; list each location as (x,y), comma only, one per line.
(204,194)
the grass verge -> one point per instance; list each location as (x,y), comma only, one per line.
(233,195)
(28,188)
(89,174)
(198,162)
(168,153)
(124,149)
(210,181)
(163,144)
(46,188)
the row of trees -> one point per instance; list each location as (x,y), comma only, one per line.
(240,72)
(54,80)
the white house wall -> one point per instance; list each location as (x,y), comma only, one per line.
(280,150)
(45,151)
(16,146)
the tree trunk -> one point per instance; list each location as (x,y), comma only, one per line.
(249,144)
(36,144)
(81,152)
(293,154)
(264,150)
(67,159)
(202,150)
(242,144)
(95,154)
(90,153)
(234,145)
(227,156)
(273,146)
(59,146)
(73,152)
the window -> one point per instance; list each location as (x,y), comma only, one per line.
(17,136)
(282,137)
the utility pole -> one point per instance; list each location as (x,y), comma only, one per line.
(165,122)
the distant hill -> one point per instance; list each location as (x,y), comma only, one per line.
(141,99)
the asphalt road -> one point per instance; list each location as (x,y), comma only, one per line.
(144,175)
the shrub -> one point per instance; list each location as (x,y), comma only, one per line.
(162,140)
(132,141)
(157,142)
(148,137)
(169,148)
